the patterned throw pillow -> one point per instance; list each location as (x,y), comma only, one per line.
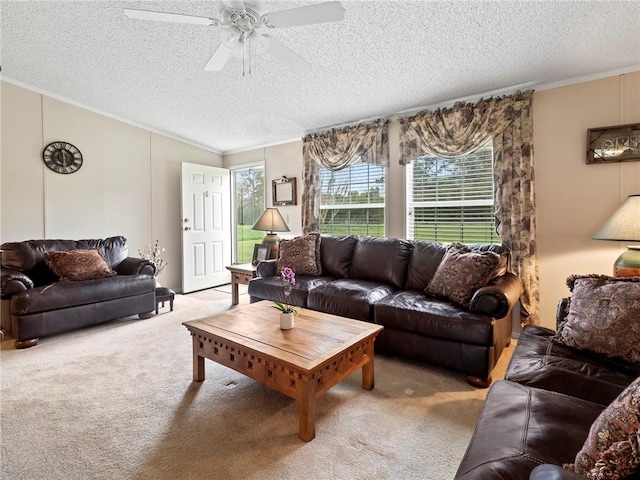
(461,272)
(78,265)
(612,449)
(604,317)
(301,254)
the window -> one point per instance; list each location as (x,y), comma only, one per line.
(248,186)
(352,200)
(451,200)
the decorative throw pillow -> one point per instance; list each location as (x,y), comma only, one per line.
(78,265)
(603,317)
(461,272)
(301,254)
(612,449)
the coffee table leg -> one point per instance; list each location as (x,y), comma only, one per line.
(368,370)
(198,362)
(307,430)
(235,294)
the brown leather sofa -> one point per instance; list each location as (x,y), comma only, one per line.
(539,417)
(35,303)
(382,280)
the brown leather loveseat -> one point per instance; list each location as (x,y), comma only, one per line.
(36,302)
(383,280)
(538,418)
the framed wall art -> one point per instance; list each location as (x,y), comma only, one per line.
(284,191)
(619,143)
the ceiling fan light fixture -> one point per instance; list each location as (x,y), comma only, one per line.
(230,36)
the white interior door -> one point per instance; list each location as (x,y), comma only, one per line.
(206,226)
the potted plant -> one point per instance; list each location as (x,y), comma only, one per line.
(287,312)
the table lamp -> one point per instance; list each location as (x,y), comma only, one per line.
(271,221)
(624,226)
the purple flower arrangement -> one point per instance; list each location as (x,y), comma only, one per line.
(288,278)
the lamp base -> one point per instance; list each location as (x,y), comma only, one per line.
(628,264)
(273,240)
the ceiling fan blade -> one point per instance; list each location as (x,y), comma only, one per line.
(169,17)
(218,60)
(320,13)
(287,56)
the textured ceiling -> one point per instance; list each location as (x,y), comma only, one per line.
(385,57)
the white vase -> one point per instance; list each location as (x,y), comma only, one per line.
(286,321)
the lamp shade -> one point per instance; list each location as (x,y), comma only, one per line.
(624,224)
(271,221)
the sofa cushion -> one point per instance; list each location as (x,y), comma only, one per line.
(349,298)
(336,254)
(461,272)
(60,295)
(424,261)
(539,362)
(521,427)
(413,311)
(381,260)
(612,449)
(603,316)
(78,265)
(271,288)
(301,254)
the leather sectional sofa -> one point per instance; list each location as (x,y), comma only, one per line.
(539,417)
(35,302)
(383,280)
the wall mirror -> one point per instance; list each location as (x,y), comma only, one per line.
(284,191)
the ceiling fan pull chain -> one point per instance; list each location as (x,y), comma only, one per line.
(249,54)
(244,54)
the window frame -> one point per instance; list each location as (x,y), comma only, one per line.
(356,206)
(411,205)
(234,230)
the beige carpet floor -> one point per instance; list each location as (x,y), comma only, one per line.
(116,401)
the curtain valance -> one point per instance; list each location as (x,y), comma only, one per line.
(459,130)
(339,148)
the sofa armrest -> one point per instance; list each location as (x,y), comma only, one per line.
(136,266)
(13,281)
(547,471)
(268,268)
(498,297)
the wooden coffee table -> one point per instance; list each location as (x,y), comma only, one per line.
(302,363)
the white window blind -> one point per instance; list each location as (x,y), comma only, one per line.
(352,200)
(451,200)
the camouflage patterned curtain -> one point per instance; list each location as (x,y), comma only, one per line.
(462,129)
(337,149)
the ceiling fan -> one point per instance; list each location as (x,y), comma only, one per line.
(241,24)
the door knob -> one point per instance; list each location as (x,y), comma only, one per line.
(187,228)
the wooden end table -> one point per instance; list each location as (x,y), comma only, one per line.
(240,275)
(302,363)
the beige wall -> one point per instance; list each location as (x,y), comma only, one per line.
(129,182)
(574,199)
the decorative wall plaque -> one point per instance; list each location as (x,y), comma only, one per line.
(613,144)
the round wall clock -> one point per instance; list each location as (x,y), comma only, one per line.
(62,157)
